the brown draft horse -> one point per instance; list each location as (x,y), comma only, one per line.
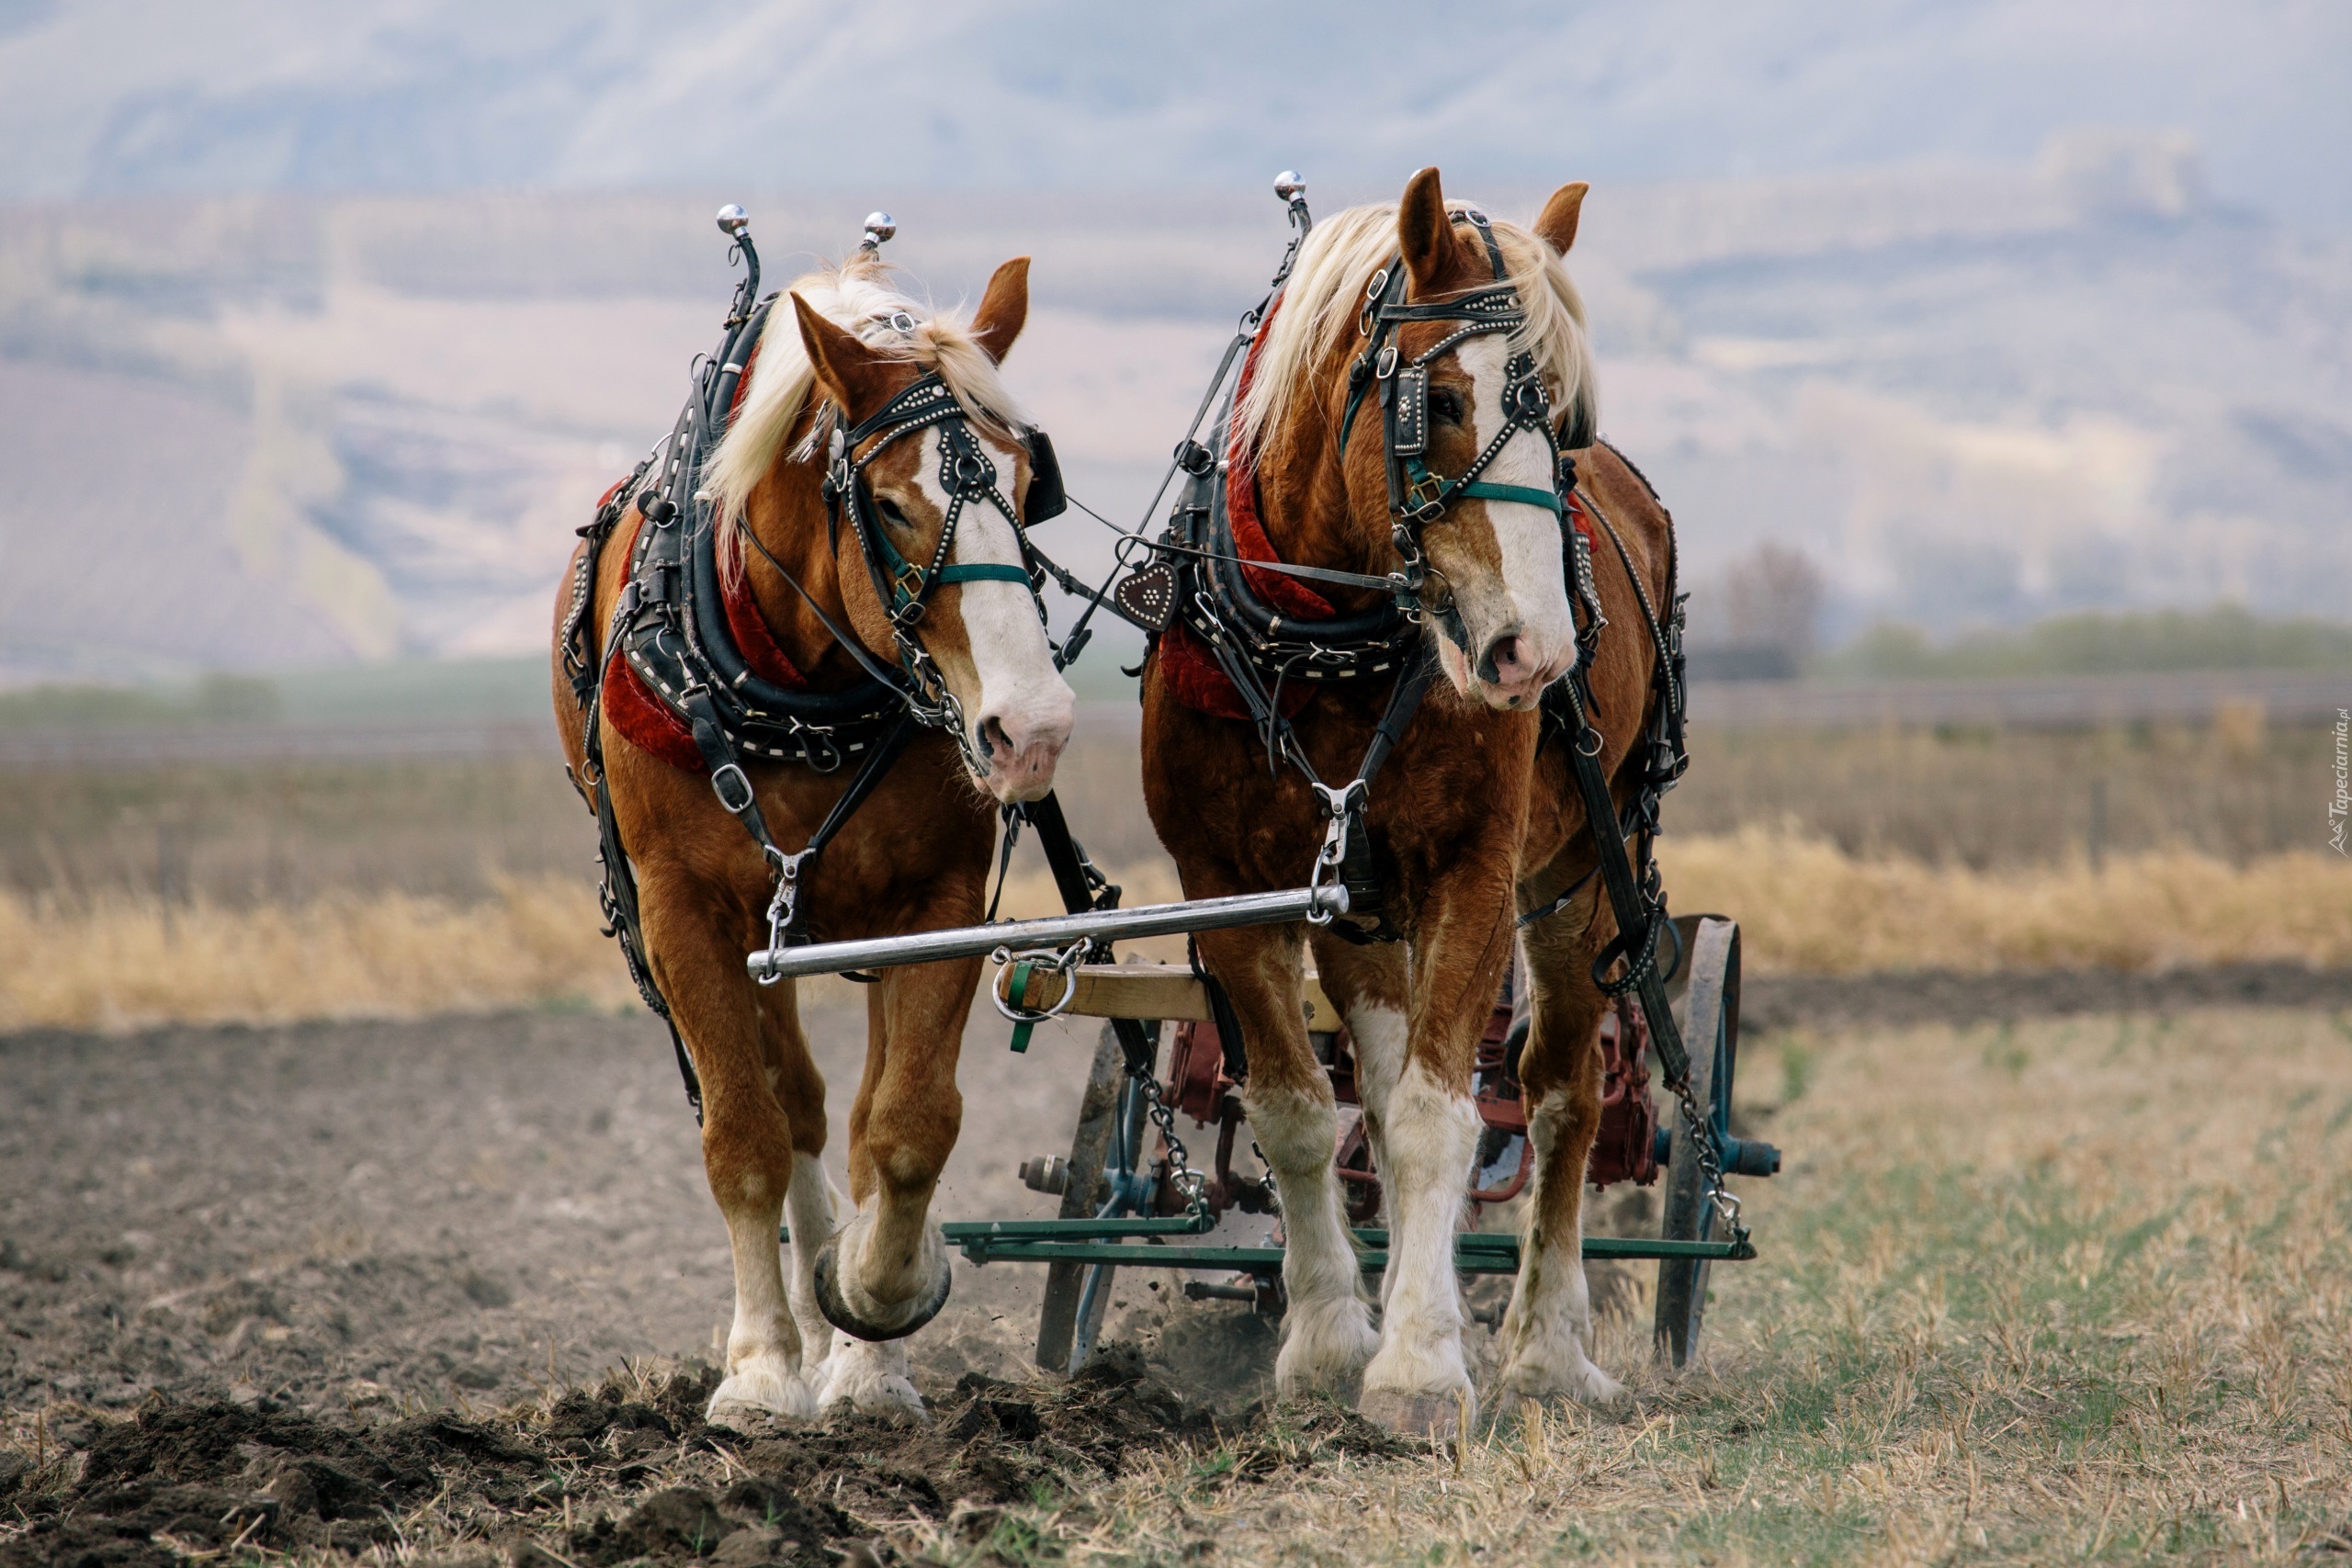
(914,858)
(1467,812)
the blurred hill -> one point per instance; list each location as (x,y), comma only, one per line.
(2026,368)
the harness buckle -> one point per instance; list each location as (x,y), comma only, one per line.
(908,580)
(1424,497)
(727,777)
(1384,365)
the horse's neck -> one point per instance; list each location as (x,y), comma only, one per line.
(786,515)
(1303,498)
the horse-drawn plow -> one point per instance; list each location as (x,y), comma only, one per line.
(1130,1196)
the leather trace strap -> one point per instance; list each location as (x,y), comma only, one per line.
(1631,880)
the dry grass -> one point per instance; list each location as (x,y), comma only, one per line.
(1806,908)
(120,959)
(2235,789)
(2077,1291)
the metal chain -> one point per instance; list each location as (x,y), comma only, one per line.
(1189,1182)
(1273,1189)
(1711,1165)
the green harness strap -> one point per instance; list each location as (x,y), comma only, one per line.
(1018,989)
(1419,479)
(984,571)
(1546,499)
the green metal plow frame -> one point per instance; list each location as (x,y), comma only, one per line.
(1106,1241)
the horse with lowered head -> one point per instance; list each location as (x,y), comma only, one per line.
(1471,817)
(914,857)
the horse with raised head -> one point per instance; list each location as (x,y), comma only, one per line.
(865,512)
(1404,413)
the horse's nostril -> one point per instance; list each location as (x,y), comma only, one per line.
(992,737)
(1503,660)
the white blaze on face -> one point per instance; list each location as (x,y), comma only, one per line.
(1021,694)
(1528,537)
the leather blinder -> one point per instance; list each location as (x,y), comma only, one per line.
(1412,426)
(1046,497)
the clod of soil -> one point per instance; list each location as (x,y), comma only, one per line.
(630,1471)
(195,1477)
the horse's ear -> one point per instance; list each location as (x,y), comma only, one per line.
(1003,309)
(851,374)
(1557,226)
(1435,257)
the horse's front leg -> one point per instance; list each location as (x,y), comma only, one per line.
(1327,1330)
(1547,1332)
(810,1203)
(1461,943)
(758,1109)
(887,1272)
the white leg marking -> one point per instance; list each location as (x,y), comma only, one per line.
(764,1347)
(1326,1333)
(1379,1033)
(809,1208)
(1547,1333)
(1432,1137)
(871,1377)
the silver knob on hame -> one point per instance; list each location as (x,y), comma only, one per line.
(1288,186)
(879,225)
(733,221)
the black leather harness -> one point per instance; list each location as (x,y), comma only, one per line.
(1260,650)
(670,625)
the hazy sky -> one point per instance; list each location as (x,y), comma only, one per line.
(160,95)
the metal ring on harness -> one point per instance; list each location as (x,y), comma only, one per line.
(1025,1019)
(1064,962)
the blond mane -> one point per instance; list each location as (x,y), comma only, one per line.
(1324,296)
(858,296)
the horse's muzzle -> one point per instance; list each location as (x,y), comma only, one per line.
(1022,756)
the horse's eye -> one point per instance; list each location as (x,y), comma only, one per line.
(1445,405)
(891,512)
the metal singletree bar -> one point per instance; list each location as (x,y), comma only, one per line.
(1060,931)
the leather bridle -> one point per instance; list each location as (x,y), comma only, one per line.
(1418,497)
(968,478)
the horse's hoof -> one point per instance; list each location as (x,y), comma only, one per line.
(760,1390)
(874,1378)
(841,1315)
(1409,1415)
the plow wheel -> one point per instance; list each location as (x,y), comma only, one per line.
(1711,1031)
(1078,1293)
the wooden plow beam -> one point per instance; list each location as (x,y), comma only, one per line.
(1168,992)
